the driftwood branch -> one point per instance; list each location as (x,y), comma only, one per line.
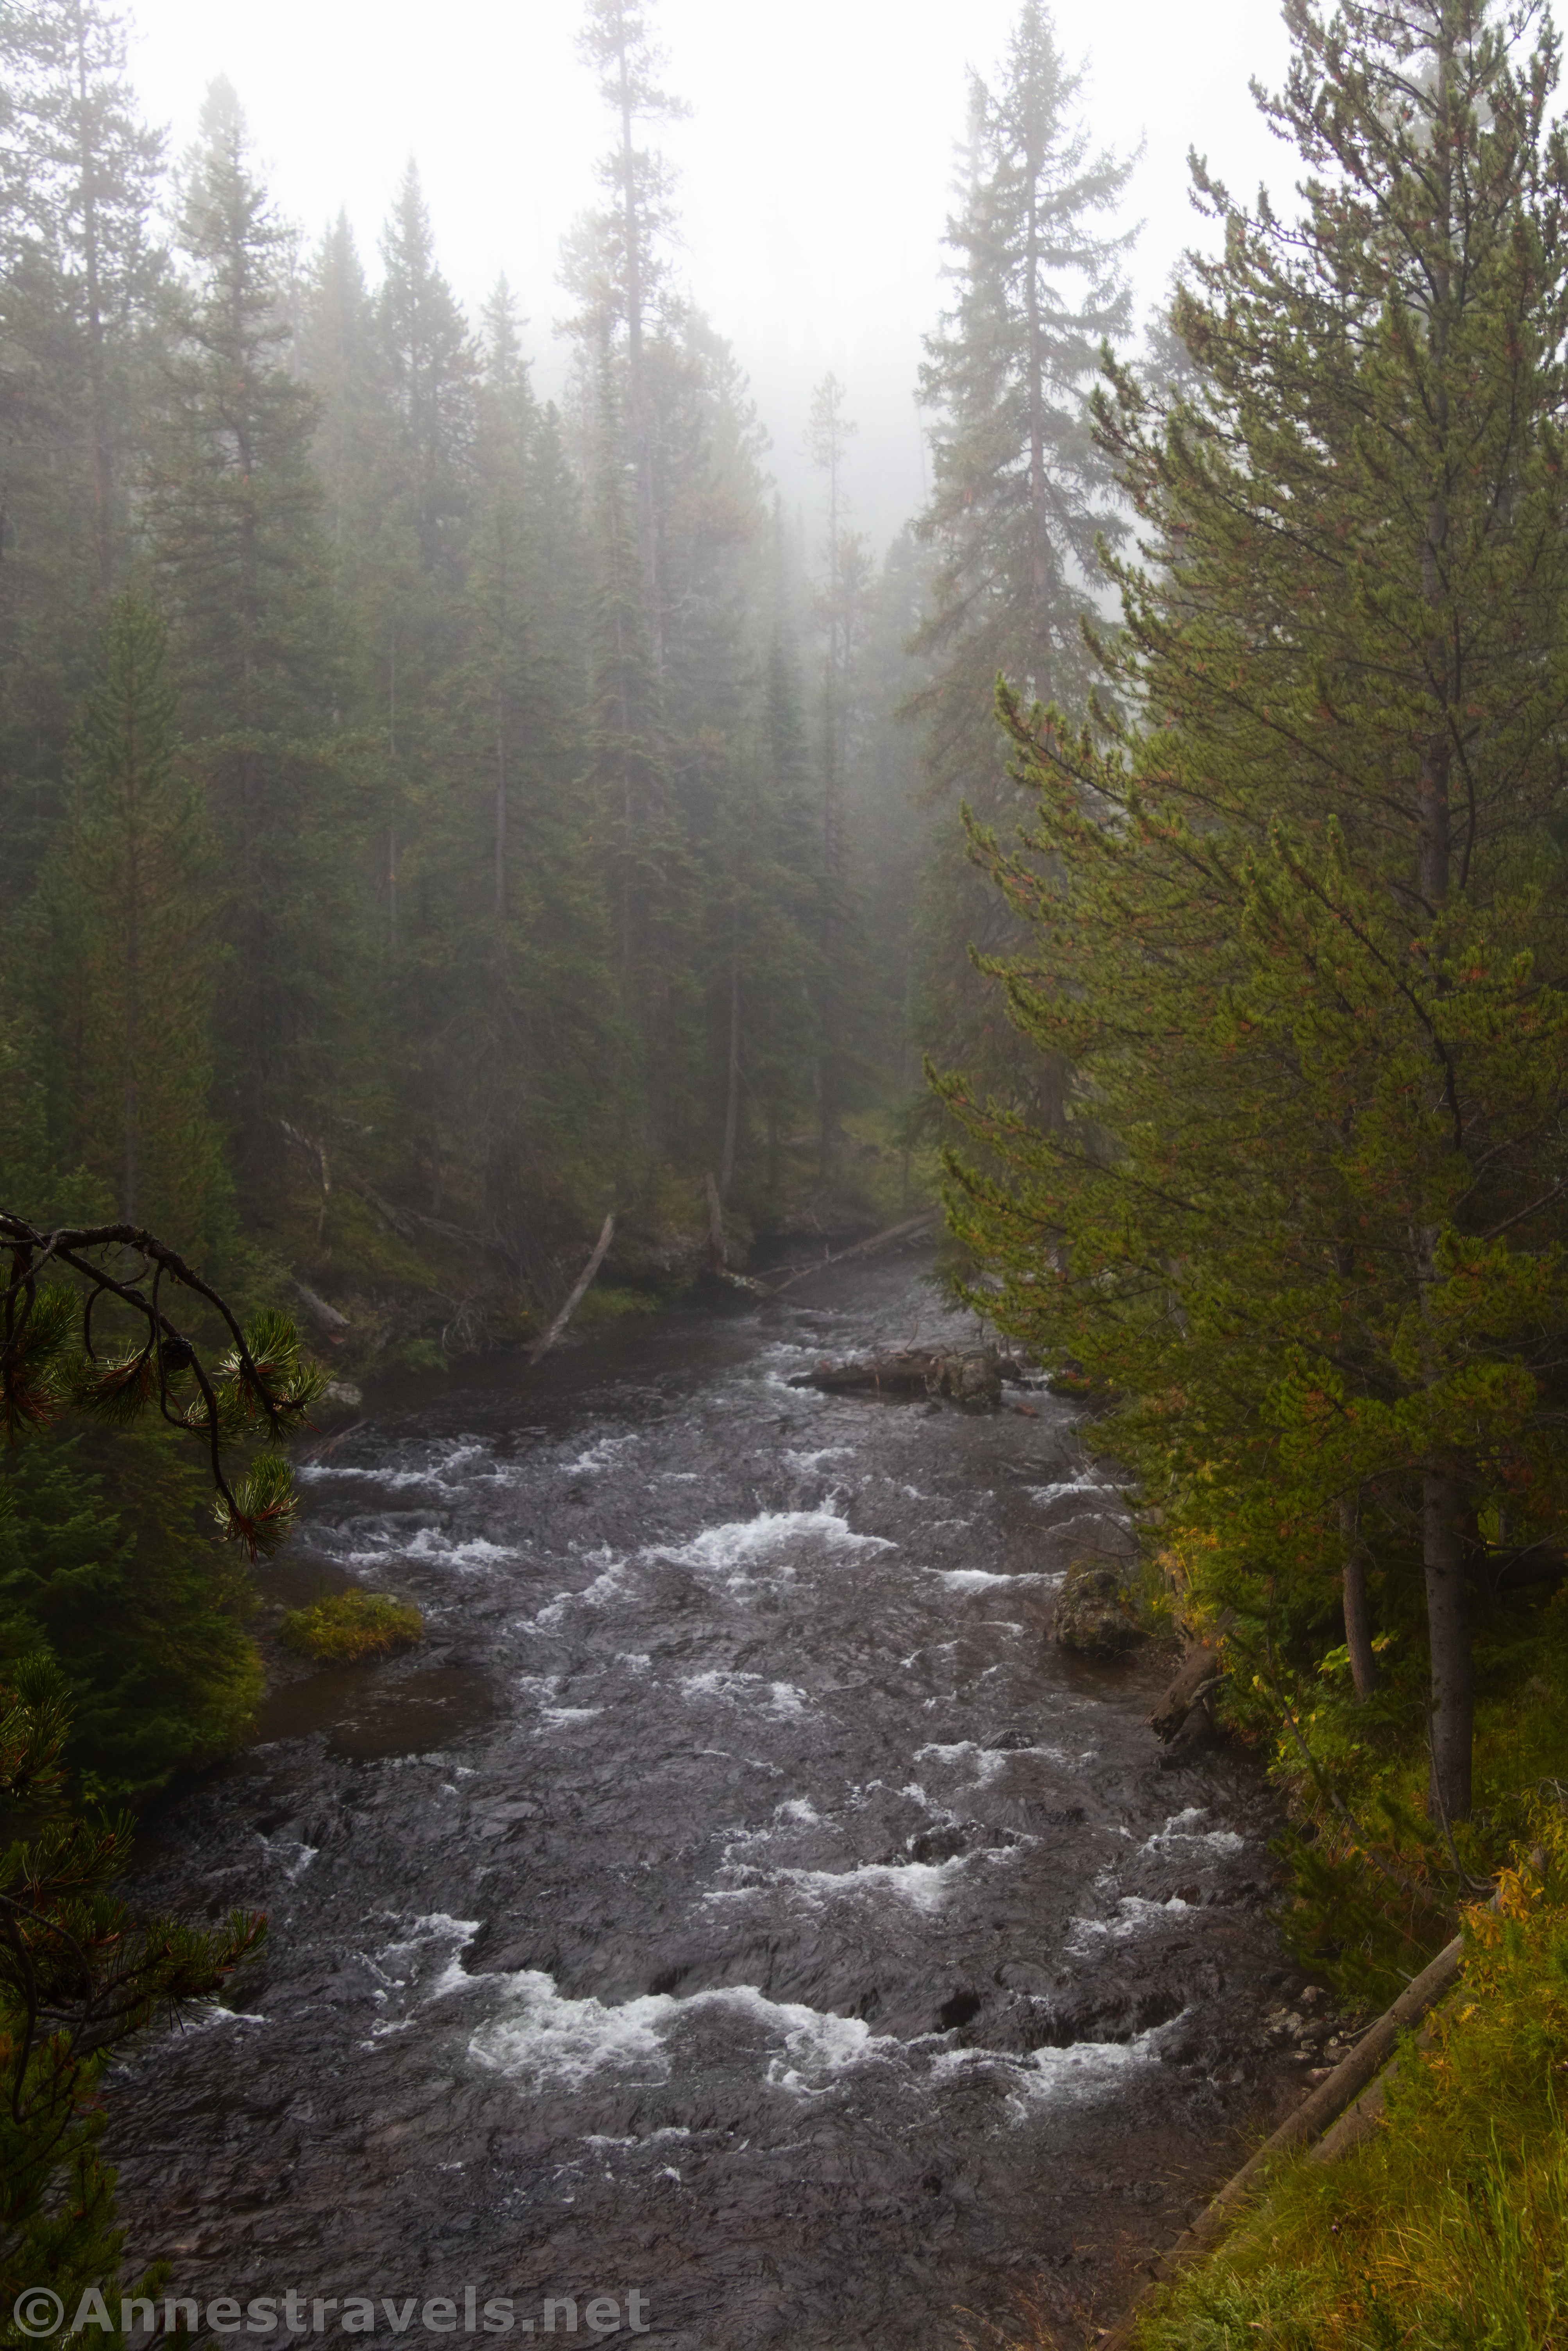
(905,1231)
(578,1292)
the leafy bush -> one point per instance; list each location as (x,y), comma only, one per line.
(349,1626)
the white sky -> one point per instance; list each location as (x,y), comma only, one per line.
(814,173)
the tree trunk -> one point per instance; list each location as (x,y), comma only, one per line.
(732,1091)
(1357,1615)
(500,807)
(1453,1677)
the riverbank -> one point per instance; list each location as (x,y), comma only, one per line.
(1445,2224)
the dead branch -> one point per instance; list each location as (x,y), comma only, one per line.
(578,1292)
(905,1231)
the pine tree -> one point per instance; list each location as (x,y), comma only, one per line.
(516,1067)
(235,511)
(1021,496)
(432,375)
(1302,941)
(135,894)
(79,272)
(619,265)
(840,611)
(337,355)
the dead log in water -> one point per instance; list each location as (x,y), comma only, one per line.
(971,1376)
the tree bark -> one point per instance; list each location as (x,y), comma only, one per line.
(717,1247)
(500,807)
(732,1088)
(1357,1614)
(1452,1717)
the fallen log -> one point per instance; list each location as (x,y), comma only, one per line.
(318,1308)
(905,1231)
(972,1376)
(578,1292)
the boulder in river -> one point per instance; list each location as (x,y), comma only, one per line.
(1095,1612)
(970,1376)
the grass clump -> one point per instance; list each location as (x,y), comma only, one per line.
(1448,2231)
(349,1625)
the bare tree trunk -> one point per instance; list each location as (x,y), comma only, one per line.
(131,1175)
(1357,1615)
(1452,1715)
(578,1292)
(500,807)
(717,1247)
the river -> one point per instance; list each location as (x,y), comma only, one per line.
(737,1900)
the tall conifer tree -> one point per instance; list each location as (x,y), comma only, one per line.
(1302,939)
(235,513)
(80,270)
(1021,496)
(136,888)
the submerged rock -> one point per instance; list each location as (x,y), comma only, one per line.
(1095,1612)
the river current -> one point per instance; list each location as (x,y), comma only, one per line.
(737,1899)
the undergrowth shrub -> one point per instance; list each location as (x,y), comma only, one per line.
(349,1626)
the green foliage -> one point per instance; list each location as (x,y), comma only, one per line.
(130,896)
(1300,937)
(104,1567)
(79,1977)
(347,1626)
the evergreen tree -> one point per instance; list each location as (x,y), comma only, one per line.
(620,267)
(840,612)
(1021,496)
(79,275)
(1302,939)
(337,356)
(432,375)
(235,511)
(134,893)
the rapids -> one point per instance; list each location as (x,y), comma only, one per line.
(737,1899)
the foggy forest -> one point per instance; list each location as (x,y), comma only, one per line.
(784,1175)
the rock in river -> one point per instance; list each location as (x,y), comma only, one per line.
(1095,1610)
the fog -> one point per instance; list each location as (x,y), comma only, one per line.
(815,167)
